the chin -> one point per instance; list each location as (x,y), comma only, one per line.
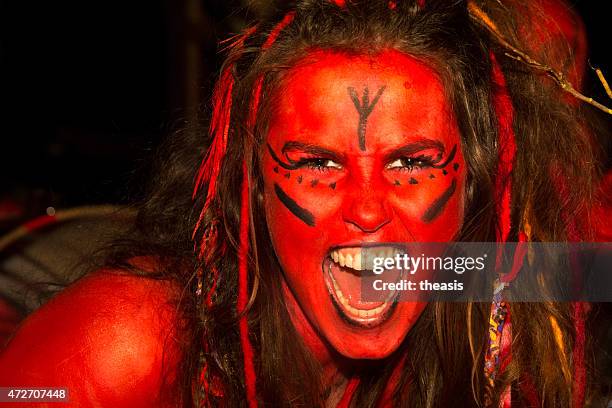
(355,328)
(368,349)
(373,343)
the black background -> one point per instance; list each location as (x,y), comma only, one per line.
(89,88)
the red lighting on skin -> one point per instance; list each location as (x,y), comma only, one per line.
(356,196)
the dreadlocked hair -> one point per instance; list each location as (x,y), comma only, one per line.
(203,238)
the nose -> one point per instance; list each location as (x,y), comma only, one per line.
(367,211)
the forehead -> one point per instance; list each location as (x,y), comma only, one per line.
(314,100)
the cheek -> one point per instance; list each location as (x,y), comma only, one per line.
(301,207)
(430,203)
(305,197)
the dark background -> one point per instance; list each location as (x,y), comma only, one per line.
(89,88)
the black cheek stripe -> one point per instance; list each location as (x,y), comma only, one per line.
(437,206)
(300,212)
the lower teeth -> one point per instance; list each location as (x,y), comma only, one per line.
(358,313)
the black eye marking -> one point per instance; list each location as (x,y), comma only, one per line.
(300,212)
(413,181)
(450,158)
(431,176)
(314,162)
(444,172)
(276,169)
(397,183)
(299,179)
(332,186)
(456,166)
(364,108)
(288,175)
(438,205)
(314,182)
(286,166)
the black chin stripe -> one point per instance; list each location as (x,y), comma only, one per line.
(438,205)
(302,213)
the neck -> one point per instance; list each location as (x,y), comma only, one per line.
(331,364)
(335,367)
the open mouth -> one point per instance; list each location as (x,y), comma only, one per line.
(347,270)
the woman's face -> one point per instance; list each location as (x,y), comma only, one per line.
(362,152)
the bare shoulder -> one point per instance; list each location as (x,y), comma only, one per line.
(112,338)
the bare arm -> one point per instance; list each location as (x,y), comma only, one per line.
(111,339)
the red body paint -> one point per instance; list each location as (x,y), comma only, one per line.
(410,133)
(110,339)
(104,338)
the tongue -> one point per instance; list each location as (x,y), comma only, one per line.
(349,281)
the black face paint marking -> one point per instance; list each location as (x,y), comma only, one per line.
(456,166)
(450,158)
(299,179)
(444,172)
(290,166)
(302,213)
(364,108)
(332,186)
(413,181)
(431,176)
(288,175)
(276,169)
(314,182)
(438,205)
(397,183)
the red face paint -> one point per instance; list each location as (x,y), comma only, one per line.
(361,151)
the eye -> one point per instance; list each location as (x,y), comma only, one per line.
(321,164)
(409,163)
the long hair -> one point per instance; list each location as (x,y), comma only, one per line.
(441,359)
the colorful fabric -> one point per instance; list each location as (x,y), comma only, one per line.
(497,320)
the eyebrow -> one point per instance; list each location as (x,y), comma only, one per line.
(304,147)
(415,147)
(408,149)
(309,148)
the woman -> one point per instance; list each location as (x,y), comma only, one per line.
(340,128)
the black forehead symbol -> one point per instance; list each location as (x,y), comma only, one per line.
(364,108)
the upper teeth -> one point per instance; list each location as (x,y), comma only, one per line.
(358,258)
